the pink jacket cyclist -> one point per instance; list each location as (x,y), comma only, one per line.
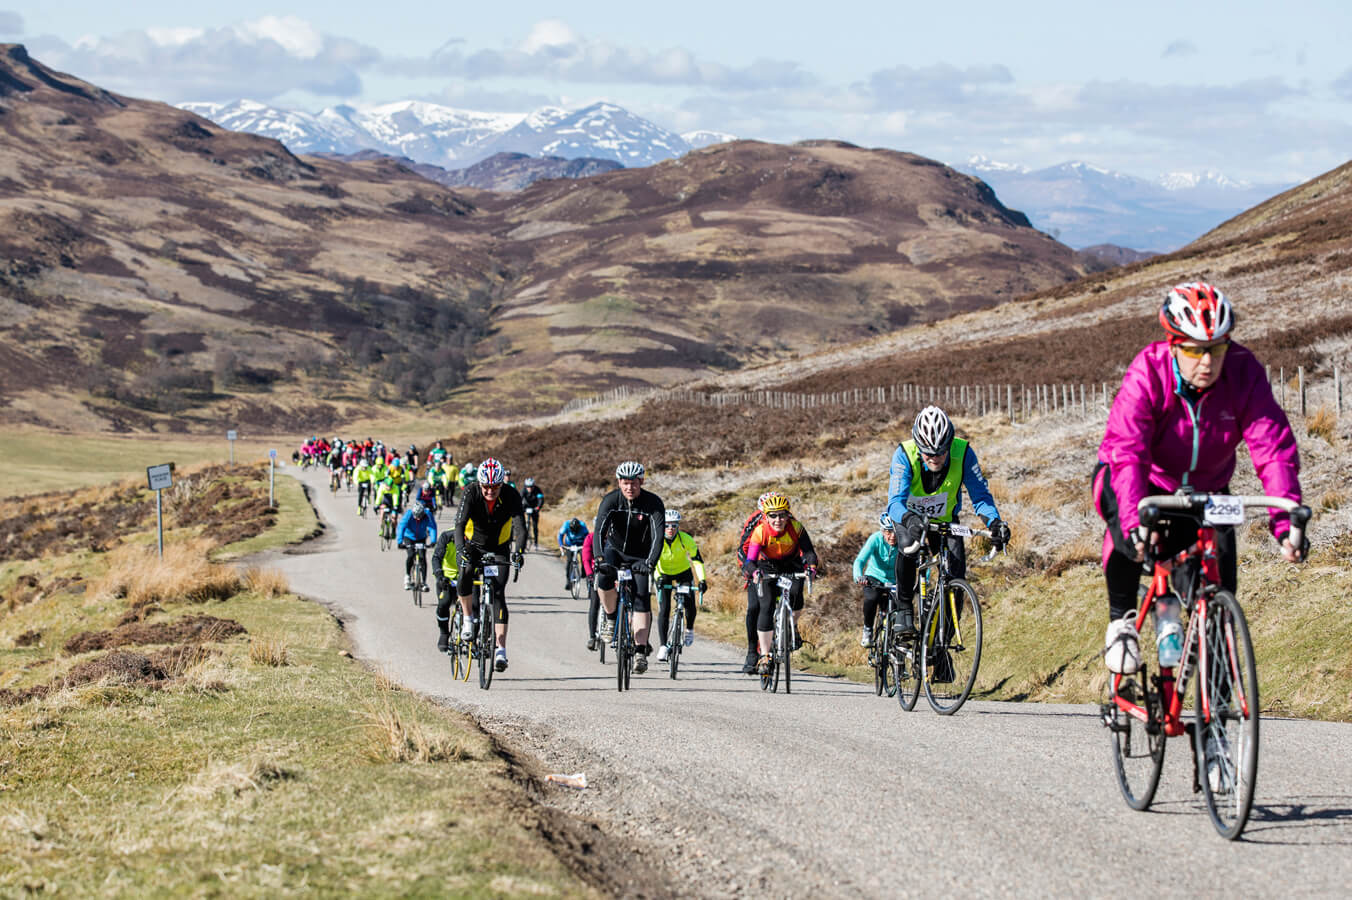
(1184,406)
(1155,436)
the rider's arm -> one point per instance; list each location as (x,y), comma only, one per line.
(431,524)
(898,485)
(519,533)
(403,532)
(656,524)
(1130,433)
(806,550)
(470,497)
(1267,432)
(865,552)
(753,552)
(978,488)
(603,511)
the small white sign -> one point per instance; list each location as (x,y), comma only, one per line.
(272,454)
(160,477)
(231,435)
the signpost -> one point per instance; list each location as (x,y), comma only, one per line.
(272,475)
(160,477)
(230,436)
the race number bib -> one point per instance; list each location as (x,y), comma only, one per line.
(932,505)
(1223,510)
(490,571)
(785,583)
(960,531)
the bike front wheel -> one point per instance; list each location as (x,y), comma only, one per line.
(486,643)
(906,667)
(786,646)
(951,648)
(675,637)
(623,649)
(880,659)
(1226,732)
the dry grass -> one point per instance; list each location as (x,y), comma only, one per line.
(258,773)
(268,650)
(1322,423)
(396,737)
(141,576)
(1332,499)
(268,583)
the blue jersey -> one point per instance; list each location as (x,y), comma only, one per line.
(876,559)
(899,487)
(411,529)
(572,536)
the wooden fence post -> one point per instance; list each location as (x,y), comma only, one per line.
(1300,381)
(1337,391)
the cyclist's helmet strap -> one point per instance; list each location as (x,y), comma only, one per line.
(932,431)
(1196,311)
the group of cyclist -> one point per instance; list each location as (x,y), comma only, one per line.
(1186,403)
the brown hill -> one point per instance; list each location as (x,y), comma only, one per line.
(157,271)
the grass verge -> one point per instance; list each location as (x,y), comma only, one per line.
(242,753)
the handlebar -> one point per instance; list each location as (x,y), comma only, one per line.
(1150,509)
(955,530)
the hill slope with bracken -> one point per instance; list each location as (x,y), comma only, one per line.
(157,271)
(744,251)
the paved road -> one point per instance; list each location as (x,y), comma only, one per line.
(833,790)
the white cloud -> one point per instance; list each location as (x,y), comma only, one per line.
(553,51)
(262,58)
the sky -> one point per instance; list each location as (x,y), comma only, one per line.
(1253,90)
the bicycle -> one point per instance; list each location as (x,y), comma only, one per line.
(387,525)
(363,498)
(578,583)
(676,627)
(335,480)
(533,528)
(419,572)
(891,656)
(943,659)
(786,632)
(462,650)
(1143,711)
(623,639)
(489,612)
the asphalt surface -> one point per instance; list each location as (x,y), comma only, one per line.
(832,790)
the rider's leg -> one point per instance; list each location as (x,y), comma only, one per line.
(642,616)
(664,593)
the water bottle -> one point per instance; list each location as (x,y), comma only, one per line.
(1168,631)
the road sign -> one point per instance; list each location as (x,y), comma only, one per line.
(272,454)
(160,477)
(231,435)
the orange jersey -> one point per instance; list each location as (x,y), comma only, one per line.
(776,546)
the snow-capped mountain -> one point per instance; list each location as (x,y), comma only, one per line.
(704,138)
(454,138)
(1083,205)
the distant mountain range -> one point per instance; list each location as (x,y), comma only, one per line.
(456,138)
(1083,205)
(499,172)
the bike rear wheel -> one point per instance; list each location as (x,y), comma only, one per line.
(880,659)
(486,645)
(906,659)
(1138,755)
(419,576)
(952,648)
(1227,741)
(622,648)
(453,644)
(786,646)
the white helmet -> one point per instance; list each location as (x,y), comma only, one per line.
(673,517)
(629,469)
(932,431)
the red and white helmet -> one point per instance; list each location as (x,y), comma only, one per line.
(1196,311)
(490,472)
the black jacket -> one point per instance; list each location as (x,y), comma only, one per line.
(487,529)
(633,529)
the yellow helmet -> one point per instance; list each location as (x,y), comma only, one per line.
(775,502)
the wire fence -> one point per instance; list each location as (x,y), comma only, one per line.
(1019,403)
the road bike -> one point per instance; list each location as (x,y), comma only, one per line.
(578,583)
(892,655)
(490,611)
(676,626)
(945,654)
(363,498)
(786,630)
(387,526)
(335,480)
(623,640)
(419,572)
(1144,710)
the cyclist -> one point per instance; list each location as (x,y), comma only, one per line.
(1185,404)
(752,640)
(874,567)
(927,477)
(593,598)
(411,457)
(466,476)
(402,479)
(427,496)
(379,470)
(534,499)
(437,455)
(416,525)
(387,501)
(446,572)
(571,535)
(490,520)
(362,477)
(628,532)
(779,545)
(680,563)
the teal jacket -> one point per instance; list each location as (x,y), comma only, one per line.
(876,559)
